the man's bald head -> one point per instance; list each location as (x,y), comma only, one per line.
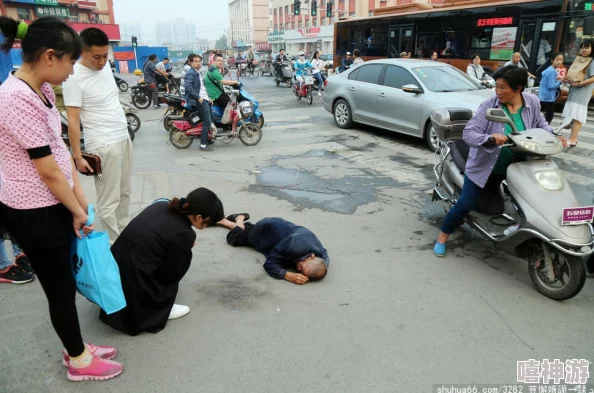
(516,57)
(313,267)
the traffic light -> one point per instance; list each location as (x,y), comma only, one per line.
(297,7)
(134,41)
(329,10)
(588,6)
(314,8)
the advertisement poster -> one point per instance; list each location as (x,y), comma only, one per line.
(502,43)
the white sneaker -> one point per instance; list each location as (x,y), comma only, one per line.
(178,311)
(320,94)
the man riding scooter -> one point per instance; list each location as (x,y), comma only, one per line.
(280,58)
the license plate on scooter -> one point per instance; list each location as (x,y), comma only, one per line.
(577,215)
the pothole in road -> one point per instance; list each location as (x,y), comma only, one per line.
(305,189)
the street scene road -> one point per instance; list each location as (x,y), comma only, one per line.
(389,316)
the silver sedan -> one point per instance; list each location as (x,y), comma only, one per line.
(400,94)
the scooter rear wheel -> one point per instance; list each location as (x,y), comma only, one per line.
(179,139)
(570,274)
(289,84)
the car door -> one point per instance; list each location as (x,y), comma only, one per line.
(395,108)
(363,85)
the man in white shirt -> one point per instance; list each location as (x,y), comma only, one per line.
(91,96)
(516,62)
(162,73)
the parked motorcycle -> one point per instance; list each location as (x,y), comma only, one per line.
(141,95)
(535,203)
(182,135)
(175,109)
(304,89)
(122,84)
(286,76)
(131,117)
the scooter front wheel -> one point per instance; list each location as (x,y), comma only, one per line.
(309,97)
(179,139)
(277,82)
(289,84)
(250,134)
(569,274)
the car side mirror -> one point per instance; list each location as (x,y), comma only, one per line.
(412,89)
(497,115)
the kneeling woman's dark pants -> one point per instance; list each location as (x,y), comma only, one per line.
(466,203)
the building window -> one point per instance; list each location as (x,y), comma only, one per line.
(23,14)
(74,17)
(307,23)
(352,14)
(315,23)
(300,24)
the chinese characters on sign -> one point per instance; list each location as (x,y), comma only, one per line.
(495,22)
(59,12)
(573,371)
(47,2)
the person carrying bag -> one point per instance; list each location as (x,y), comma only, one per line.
(95,270)
(578,69)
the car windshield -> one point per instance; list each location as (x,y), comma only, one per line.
(445,79)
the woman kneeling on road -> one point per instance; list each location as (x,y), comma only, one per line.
(154,253)
(487,163)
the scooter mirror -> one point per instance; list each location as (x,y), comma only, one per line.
(498,116)
(566,123)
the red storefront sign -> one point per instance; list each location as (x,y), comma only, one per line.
(495,22)
(310,33)
(112,31)
(87,4)
(263,46)
(123,56)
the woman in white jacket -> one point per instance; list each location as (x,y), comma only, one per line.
(475,70)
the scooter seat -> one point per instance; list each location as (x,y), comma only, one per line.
(459,151)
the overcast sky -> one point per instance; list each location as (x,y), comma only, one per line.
(211,17)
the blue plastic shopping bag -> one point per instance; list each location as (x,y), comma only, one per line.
(96,271)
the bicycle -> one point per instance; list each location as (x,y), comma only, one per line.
(253,71)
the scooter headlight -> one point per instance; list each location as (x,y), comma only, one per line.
(530,146)
(549,180)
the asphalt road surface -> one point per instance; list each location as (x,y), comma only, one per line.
(389,317)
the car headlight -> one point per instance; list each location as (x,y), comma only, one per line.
(531,146)
(549,180)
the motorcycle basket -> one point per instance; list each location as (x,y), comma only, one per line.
(449,123)
(309,80)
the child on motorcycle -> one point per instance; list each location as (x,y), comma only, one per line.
(300,65)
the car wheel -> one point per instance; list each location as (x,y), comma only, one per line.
(342,114)
(431,137)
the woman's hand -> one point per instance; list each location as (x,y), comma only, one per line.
(563,140)
(499,139)
(78,222)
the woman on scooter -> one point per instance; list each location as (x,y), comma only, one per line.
(487,161)
(300,65)
(316,62)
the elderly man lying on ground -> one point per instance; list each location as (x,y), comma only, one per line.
(284,244)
